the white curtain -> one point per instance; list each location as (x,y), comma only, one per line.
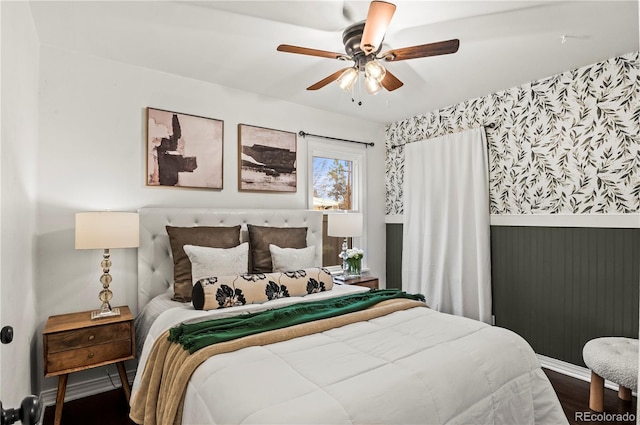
(446,247)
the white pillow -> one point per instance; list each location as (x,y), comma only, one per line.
(292,259)
(207,262)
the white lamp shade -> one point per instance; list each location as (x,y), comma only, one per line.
(347,79)
(374,70)
(372,85)
(344,225)
(107,229)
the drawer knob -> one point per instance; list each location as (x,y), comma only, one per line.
(91,337)
(90,355)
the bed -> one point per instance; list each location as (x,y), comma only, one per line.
(395,363)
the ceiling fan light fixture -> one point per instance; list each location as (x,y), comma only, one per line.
(347,79)
(362,44)
(375,70)
(372,85)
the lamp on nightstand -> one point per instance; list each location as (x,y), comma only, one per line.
(344,225)
(106,230)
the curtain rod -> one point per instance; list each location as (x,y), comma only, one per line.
(303,134)
(412,141)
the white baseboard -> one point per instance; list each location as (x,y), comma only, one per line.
(572,370)
(86,388)
(565,368)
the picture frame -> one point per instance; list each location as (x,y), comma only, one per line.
(267,159)
(184,150)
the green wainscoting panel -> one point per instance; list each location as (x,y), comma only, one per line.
(558,287)
(394,256)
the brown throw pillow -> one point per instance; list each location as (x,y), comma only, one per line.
(260,237)
(213,237)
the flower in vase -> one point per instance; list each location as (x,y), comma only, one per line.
(353,261)
(353,253)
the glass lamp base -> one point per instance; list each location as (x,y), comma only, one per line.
(101,314)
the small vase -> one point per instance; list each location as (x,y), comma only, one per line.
(354,267)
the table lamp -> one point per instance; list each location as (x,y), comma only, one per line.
(106,230)
(344,225)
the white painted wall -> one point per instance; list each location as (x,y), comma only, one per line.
(92,157)
(18,187)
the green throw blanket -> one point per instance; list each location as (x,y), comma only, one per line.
(195,336)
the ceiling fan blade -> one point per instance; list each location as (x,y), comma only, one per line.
(311,52)
(378,19)
(422,51)
(331,78)
(390,82)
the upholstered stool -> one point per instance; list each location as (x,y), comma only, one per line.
(615,359)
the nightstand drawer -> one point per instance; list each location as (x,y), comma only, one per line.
(370,282)
(81,358)
(74,342)
(95,335)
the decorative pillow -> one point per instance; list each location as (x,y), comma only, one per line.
(229,291)
(260,237)
(214,237)
(207,262)
(287,259)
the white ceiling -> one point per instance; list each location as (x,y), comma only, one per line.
(233,43)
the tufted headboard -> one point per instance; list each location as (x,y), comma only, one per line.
(155,265)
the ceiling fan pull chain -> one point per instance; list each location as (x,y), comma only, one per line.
(357,96)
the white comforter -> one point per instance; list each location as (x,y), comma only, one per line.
(411,367)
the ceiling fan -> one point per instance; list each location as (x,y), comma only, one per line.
(362,43)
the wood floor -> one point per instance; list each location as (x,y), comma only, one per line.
(111,408)
(574,397)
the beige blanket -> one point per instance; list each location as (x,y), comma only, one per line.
(160,397)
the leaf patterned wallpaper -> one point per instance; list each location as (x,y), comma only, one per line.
(566,144)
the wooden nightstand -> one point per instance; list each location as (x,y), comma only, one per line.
(74,342)
(368,281)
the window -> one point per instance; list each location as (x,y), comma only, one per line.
(332,183)
(336,182)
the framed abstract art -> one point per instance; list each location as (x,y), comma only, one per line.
(266,159)
(183,150)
